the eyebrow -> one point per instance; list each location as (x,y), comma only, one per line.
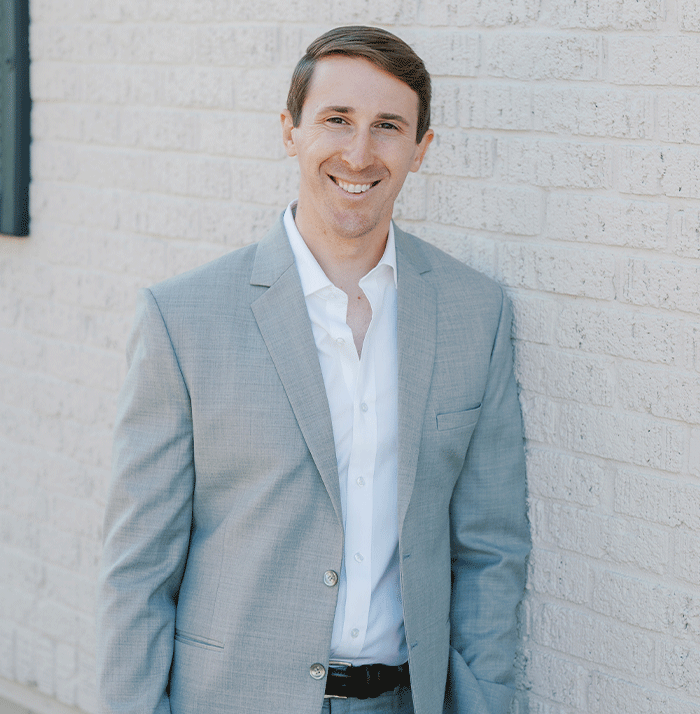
(349,110)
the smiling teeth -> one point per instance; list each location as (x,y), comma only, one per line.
(353,187)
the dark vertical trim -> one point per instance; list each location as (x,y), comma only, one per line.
(15,106)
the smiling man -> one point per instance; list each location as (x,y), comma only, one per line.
(318,491)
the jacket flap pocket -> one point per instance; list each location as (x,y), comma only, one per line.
(458,420)
(188,639)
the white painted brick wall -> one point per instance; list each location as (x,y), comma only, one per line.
(566,165)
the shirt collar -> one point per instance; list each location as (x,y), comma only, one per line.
(311,274)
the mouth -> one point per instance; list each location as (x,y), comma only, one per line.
(353,187)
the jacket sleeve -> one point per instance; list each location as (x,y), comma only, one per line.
(147,523)
(490,541)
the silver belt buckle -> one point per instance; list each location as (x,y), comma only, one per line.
(336,696)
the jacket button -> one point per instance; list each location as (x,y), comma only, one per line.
(317,671)
(330,578)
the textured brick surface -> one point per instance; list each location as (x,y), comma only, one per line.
(566,165)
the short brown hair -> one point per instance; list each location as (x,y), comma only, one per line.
(381,48)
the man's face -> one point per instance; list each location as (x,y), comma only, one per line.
(356,143)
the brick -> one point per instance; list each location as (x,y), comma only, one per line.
(159,129)
(530,56)
(633,335)
(557,269)
(687,560)
(603,14)
(71,42)
(462,203)
(412,202)
(689,15)
(62,122)
(51,82)
(628,438)
(235,225)
(668,285)
(694,452)
(181,258)
(237,45)
(611,695)
(555,678)
(383,12)
(679,667)
(7,648)
(554,475)
(607,221)
(157,43)
(647,605)
(678,113)
(444,105)
(685,229)
(258,90)
(66,673)
(593,112)
(660,171)
(44,665)
(25,659)
(246,135)
(190,87)
(645,496)
(564,376)
(265,184)
(65,588)
(491,13)
(485,105)
(52,398)
(560,575)
(19,532)
(616,646)
(540,418)
(189,176)
(555,163)
(606,538)
(454,153)
(655,390)
(657,60)
(477,252)
(446,52)
(86,694)
(533,318)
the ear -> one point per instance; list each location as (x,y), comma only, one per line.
(288,132)
(421,148)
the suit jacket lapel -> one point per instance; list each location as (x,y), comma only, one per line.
(284,323)
(416,325)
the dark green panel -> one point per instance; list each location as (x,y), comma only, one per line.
(14,117)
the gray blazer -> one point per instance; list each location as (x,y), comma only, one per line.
(224,509)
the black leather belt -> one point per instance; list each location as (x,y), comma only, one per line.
(366,681)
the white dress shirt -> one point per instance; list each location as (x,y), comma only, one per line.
(363,399)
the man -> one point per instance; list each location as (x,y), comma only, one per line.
(318,474)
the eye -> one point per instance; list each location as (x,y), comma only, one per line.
(388,125)
(336,120)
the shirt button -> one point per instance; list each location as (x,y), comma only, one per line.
(330,578)
(317,671)
(364,407)
(354,633)
(340,341)
(360,481)
(359,557)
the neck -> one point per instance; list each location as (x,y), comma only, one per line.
(344,260)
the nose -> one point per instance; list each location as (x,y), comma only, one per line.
(357,153)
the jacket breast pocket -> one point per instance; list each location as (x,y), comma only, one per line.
(458,420)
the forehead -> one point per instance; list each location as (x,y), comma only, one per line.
(356,83)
